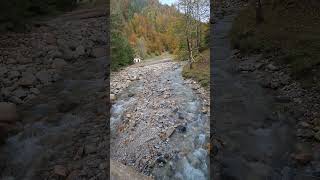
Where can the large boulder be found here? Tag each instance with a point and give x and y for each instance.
(27, 79)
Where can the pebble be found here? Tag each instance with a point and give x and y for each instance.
(60, 170)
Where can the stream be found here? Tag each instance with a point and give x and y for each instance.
(162, 102)
(257, 131)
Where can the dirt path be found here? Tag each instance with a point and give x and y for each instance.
(64, 132)
(159, 122)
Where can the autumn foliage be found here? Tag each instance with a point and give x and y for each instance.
(150, 27)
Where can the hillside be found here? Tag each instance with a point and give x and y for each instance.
(290, 33)
(147, 29)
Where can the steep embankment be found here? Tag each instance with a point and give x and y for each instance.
(291, 42)
(267, 121)
(62, 127)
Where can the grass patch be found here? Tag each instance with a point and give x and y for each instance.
(290, 31)
(200, 69)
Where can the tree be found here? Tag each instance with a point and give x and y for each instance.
(194, 11)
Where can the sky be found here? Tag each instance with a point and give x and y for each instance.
(169, 2)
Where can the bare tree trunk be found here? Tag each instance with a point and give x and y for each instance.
(198, 29)
(190, 52)
(199, 36)
(259, 16)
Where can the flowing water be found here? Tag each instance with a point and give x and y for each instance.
(189, 158)
(49, 134)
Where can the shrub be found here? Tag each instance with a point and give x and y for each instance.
(121, 51)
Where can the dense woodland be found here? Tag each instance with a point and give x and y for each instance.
(146, 28)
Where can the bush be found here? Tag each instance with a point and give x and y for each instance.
(181, 55)
(121, 51)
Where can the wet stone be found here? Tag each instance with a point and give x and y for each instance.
(181, 128)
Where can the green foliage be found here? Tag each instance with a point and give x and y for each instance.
(136, 6)
(121, 52)
(181, 55)
(153, 29)
(141, 48)
(200, 69)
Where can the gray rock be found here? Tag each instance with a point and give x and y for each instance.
(51, 39)
(35, 91)
(27, 79)
(80, 51)
(59, 64)
(24, 60)
(43, 76)
(271, 67)
(305, 133)
(62, 44)
(11, 61)
(15, 100)
(90, 148)
(29, 97)
(55, 54)
(3, 71)
(20, 93)
(13, 74)
(6, 91)
(246, 66)
(68, 54)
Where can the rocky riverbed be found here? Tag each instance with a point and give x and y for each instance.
(290, 97)
(54, 85)
(267, 123)
(160, 122)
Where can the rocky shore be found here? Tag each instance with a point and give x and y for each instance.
(292, 98)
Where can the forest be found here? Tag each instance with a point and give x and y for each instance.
(147, 28)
